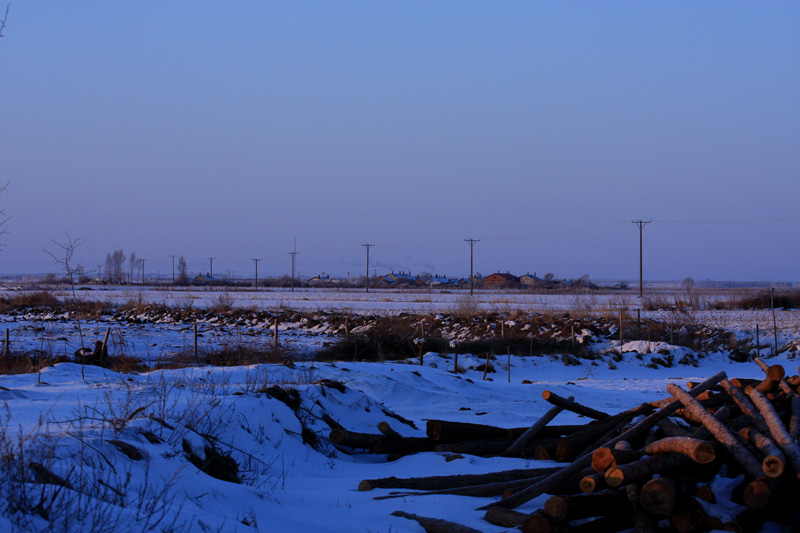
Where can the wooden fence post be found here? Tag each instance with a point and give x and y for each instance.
(275, 342)
(774, 322)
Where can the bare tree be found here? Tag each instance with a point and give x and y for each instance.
(115, 262)
(71, 269)
(688, 284)
(132, 264)
(183, 274)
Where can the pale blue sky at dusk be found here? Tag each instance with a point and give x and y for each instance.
(227, 129)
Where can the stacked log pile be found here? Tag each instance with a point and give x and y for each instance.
(665, 466)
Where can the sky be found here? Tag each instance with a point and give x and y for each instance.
(230, 129)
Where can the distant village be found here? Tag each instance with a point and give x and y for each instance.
(406, 280)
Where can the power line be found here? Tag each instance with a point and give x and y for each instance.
(732, 221)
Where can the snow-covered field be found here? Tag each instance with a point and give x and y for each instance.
(121, 443)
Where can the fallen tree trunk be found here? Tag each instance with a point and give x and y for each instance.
(699, 451)
(436, 525)
(568, 508)
(643, 469)
(446, 431)
(571, 405)
(535, 429)
(455, 481)
(477, 491)
(504, 517)
(353, 439)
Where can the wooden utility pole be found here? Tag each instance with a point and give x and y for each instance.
(173, 269)
(293, 253)
(211, 271)
(641, 224)
(471, 246)
(256, 262)
(367, 246)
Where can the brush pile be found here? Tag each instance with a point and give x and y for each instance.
(723, 454)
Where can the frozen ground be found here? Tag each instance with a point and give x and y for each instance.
(84, 425)
(68, 422)
(155, 339)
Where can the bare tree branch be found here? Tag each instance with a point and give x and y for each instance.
(3, 217)
(4, 19)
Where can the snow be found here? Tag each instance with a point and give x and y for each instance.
(66, 417)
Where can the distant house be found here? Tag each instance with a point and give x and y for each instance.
(444, 280)
(399, 279)
(500, 280)
(200, 280)
(320, 280)
(530, 280)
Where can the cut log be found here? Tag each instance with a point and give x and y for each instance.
(536, 522)
(535, 429)
(545, 451)
(568, 508)
(593, 483)
(387, 431)
(794, 421)
(456, 481)
(504, 517)
(604, 458)
(568, 447)
(642, 521)
(353, 439)
(705, 493)
(612, 522)
(723, 435)
(477, 491)
(774, 461)
(776, 375)
(571, 405)
(436, 525)
(778, 431)
(446, 431)
(585, 461)
(699, 451)
(757, 493)
(658, 496)
(688, 516)
(739, 397)
(671, 429)
(478, 447)
(643, 469)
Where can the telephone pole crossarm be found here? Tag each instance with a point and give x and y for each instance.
(471, 277)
